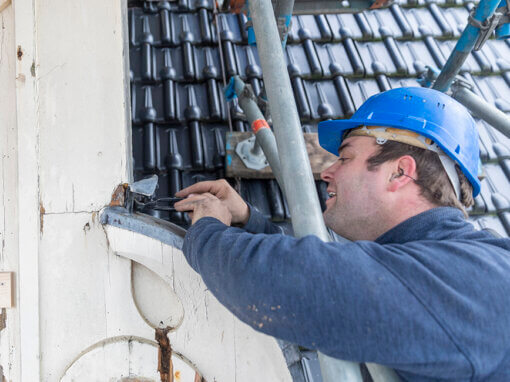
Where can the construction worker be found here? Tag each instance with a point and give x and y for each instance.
(418, 289)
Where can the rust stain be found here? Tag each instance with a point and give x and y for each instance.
(177, 376)
(237, 6)
(3, 319)
(379, 4)
(118, 196)
(165, 365)
(42, 211)
(19, 53)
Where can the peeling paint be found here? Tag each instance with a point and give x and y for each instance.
(42, 211)
(3, 319)
(118, 196)
(165, 366)
(106, 237)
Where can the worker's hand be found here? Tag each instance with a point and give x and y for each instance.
(223, 191)
(206, 204)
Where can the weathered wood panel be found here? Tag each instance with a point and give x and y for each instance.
(84, 135)
(320, 159)
(9, 260)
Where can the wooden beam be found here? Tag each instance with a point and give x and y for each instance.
(320, 159)
(4, 4)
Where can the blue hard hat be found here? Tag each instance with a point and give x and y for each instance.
(427, 112)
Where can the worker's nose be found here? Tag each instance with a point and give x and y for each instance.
(327, 174)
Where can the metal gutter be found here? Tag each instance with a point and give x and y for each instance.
(147, 225)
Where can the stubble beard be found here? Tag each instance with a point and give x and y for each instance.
(334, 219)
(343, 222)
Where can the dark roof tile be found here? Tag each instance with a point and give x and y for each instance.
(347, 24)
(335, 63)
(324, 101)
(383, 18)
(423, 23)
(361, 90)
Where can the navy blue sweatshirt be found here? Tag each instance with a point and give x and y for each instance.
(430, 298)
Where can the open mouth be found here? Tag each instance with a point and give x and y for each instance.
(331, 195)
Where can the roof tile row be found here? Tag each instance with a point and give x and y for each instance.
(335, 63)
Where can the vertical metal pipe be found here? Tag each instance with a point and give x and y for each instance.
(465, 44)
(295, 165)
(482, 109)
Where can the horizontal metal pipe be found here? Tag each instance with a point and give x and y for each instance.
(482, 109)
(464, 46)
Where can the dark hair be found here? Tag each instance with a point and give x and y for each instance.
(431, 175)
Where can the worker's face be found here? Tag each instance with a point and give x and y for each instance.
(356, 194)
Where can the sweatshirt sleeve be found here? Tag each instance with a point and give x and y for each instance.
(257, 223)
(334, 297)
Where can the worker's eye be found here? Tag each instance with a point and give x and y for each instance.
(342, 159)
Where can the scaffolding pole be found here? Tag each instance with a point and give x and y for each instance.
(470, 36)
(481, 109)
(295, 165)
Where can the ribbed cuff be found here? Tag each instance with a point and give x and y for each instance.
(256, 222)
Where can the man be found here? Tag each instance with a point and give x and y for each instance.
(417, 289)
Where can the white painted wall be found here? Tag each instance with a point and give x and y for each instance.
(65, 145)
(9, 337)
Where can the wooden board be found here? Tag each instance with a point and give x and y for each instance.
(6, 289)
(4, 4)
(320, 159)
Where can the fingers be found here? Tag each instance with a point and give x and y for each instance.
(197, 188)
(202, 205)
(220, 188)
(191, 202)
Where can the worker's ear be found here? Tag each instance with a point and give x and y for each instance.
(403, 172)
